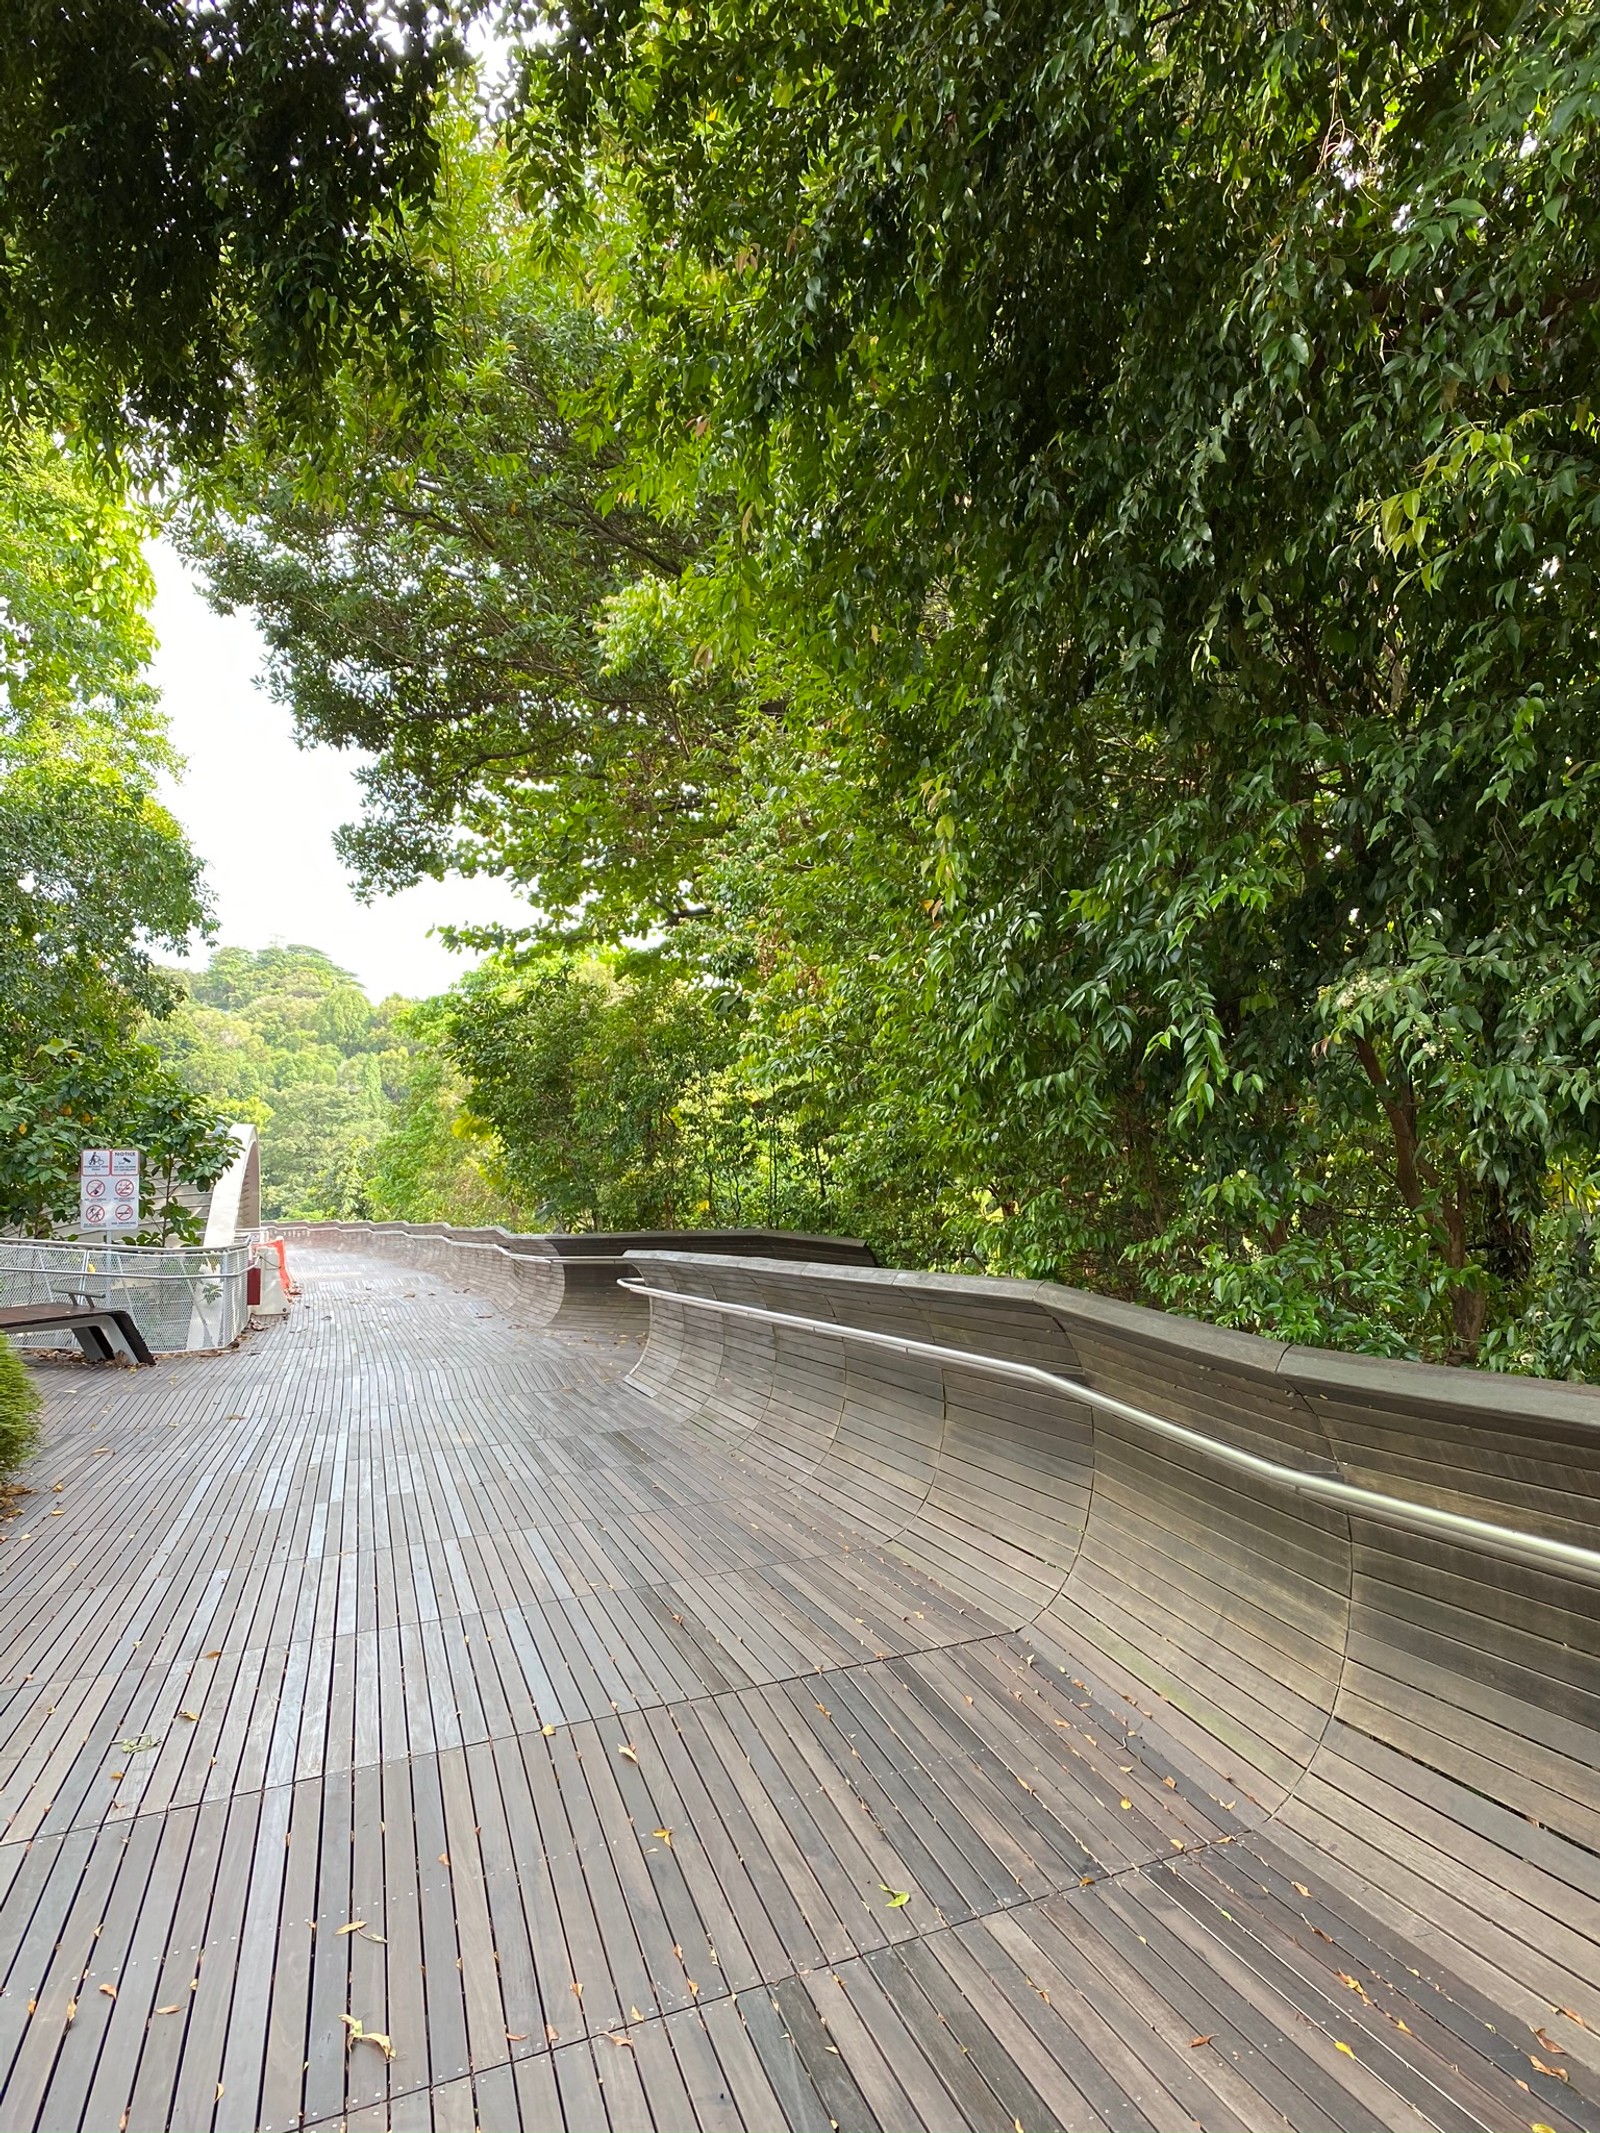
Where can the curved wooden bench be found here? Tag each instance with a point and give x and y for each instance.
(565, 1282)
(1410, 1705)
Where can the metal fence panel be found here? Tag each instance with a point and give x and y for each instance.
(182, 1297)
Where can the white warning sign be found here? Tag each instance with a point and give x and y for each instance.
(108, 1189)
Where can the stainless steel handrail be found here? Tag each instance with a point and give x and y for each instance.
(1479, 1533)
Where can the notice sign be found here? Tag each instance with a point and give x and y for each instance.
(108, 1189)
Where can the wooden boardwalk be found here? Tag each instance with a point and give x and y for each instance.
(409, 1670)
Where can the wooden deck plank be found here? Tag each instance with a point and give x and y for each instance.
(466, 1623)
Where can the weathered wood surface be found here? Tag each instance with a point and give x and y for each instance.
(566, 1281)
(409, 1666)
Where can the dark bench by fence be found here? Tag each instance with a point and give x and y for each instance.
(103, 1334)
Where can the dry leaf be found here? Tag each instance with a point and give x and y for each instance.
(353, 1925)
(72, 2011)
(619, 2040)
(1196, 2041)
(516, 2036)
(1342, 2047)
(110, 1991)
(218, 2097)
(169, 2010)
(1537, 2127)
(897, 1897)
(665, 1835)
(551, 2035)
(1572, 2015)
(577, 1988)
(444, 1858)
(116, 1776)
(1555, 2073)
(547, 1731)
(352, 2023)
(377, 2036)
(214, 1655)
(1170, 1783)
(376, 1938)
(629, 1752)
(1300, 1889)
(190, 1715)
(1548, 2041)
(140, 1746)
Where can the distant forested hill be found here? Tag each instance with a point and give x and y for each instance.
(285, 1038)
(362, 1110)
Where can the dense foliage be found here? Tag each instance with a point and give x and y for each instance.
(95, 874)
(200, 203)
(19, 1407)
(286, 1040)
(1106, 644)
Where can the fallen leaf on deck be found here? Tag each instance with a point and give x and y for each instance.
(355, 1925)
(1546, 2039)
(116, 1776)
(577, 1988)
(213, 1655)
(896, 1897)
(1170, 1783)
(1572, 2015)
(619, 2041)
(218, 2097)
(1300, 1889)
(141, 1746)
(110, 1991)
(1339, 2046)
(1555, 2073)
(169, 2010)
(72, 2011)
(629, 1752)
(547, 1731)
(444, 1858)
(551, 2035)
(192, 1716)
(377, 1937)
(1194, 2042)
(665, 1835)
(1124, 1803)
(377, 2036)
(516, 2036)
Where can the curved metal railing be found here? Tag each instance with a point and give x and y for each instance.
(1477, 1533)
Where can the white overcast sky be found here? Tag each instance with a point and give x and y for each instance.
(261, 812)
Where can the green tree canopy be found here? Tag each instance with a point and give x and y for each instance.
(1173, 429)
(95, 875)
(434, 586)
(204, 204)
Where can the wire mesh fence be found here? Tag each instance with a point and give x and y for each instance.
(181, 1297)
